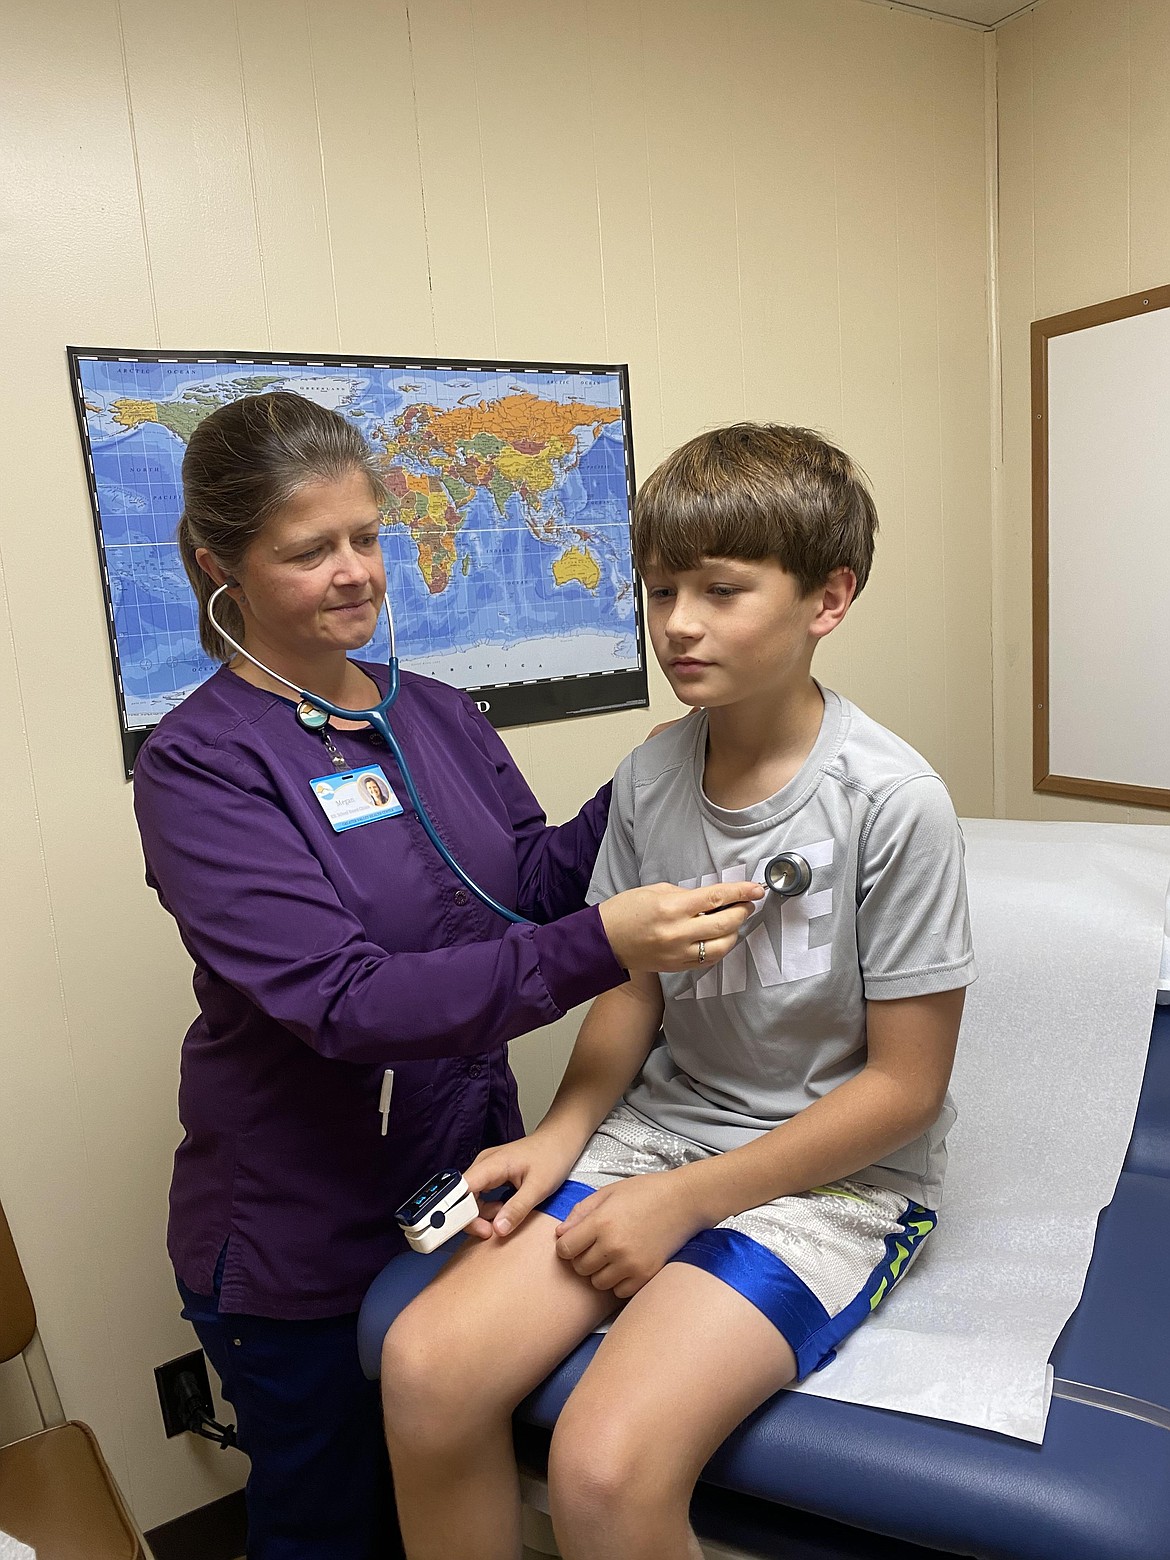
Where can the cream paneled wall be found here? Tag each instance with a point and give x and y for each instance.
(770, 208)
(1084, 215)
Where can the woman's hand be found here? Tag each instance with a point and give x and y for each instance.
(661, 927)
(622, 1235)
(535, 1165)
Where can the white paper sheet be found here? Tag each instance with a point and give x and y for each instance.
(12, 1549)
(1068, 922)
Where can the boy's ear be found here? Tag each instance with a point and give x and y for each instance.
(836, 596)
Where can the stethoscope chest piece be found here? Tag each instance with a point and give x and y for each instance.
(788, 875)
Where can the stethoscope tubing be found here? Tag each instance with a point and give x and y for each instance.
(376, 717)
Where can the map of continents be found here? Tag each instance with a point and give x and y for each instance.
(507, 517)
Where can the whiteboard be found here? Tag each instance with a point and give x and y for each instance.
(1101, 502)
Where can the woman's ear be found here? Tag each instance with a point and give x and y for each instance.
(214, 571)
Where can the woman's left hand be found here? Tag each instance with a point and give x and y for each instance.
(620, 1236)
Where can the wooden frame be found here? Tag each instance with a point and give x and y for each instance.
(1145, 302)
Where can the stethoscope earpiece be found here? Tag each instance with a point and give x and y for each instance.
(788, 875)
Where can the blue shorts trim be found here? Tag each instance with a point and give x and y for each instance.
(786, 1300)
(917, 1223)
(565, 1199)
(770, 1284)
(765, 1279)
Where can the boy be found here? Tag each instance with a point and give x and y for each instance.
(750, 1149)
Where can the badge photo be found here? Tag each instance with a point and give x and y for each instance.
(355, 797)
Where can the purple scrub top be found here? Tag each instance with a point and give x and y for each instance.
(323, 958)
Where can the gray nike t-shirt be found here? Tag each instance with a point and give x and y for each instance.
(748, 1043)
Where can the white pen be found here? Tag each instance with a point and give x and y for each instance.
(384, 1098)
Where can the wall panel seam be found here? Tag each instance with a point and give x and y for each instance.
(940, 432)
(137, 170)
(995, 394)
(324, 172)
(487, 214)
(422, 186)
(735, 218)
(252, 181)
(650, 215)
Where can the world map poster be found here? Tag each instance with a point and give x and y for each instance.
(506, 529)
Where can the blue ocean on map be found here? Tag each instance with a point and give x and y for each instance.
(529, 579)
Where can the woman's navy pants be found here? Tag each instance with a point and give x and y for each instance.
(310, 1422)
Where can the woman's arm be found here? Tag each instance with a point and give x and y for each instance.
(256, 909)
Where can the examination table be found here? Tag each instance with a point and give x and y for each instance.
(809, 1477)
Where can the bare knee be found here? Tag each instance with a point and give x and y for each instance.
(429, 1394)
(602, 1480)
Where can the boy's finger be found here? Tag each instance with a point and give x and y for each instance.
(515, 1211)
(489, 1171)
(572, 1240)
(590, 1261)
(480, 1229)
(607, 1277)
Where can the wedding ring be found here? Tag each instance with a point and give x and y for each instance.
(702, 952)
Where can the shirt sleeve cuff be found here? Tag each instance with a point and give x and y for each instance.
(920, 983)
(576, 960)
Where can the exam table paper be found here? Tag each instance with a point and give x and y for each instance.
(1068, 922)
(12, 1549)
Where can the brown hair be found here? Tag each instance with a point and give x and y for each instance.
(758, 490)
(245, 461)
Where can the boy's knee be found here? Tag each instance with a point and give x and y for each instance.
(598, 1473)
(418, 1383)
(437, 1388)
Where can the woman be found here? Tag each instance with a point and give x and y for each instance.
(355, 999)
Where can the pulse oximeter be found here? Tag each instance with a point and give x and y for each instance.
(440, 1208)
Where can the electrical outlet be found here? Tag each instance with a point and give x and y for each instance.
(166, 1379)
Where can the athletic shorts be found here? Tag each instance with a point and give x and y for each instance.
(816, 1263)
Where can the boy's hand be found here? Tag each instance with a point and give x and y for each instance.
(622, 1235)
(535, 1165)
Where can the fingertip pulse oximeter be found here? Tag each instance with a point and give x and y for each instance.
(440, 1208)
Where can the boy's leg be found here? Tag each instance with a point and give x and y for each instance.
(493, 1324)
(683, 1364)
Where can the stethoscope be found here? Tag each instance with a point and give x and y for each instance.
(313, 713)
(787, 875)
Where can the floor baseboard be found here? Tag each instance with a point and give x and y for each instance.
(217, 1531)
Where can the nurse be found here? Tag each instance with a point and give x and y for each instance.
(355, 1000)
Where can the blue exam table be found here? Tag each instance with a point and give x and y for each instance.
(808, 1477)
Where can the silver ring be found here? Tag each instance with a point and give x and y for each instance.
(702, 953)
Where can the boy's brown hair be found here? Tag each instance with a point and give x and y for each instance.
(757, 490)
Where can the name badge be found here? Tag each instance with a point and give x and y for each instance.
(355, 797)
